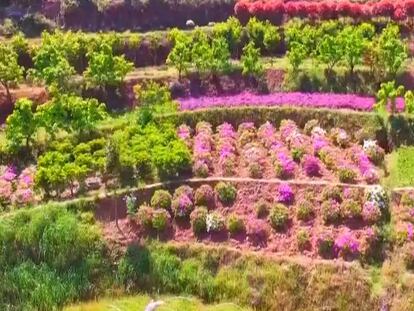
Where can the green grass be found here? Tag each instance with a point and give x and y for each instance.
(135, 303)
(401, 168)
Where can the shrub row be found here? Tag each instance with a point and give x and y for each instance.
(275, 10)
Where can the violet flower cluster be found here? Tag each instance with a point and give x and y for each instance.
(17, 188)
(346, 245)
(285, 194)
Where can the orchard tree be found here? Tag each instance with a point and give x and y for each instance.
(53, 68)
(180, 55)
(201, 52)
(263, 34)
(329, 51)
(353, 45)
(10, 71)
(296, 55)
(231, 30)
(391, 49)
(21, 125)
(221, 55)
(105, 69)
(72, 113)
(250, 61)
(51, 174)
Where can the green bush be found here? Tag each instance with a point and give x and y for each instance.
(304, 211)
(278, 216)
(204, 196)
(144, 216)
(198, 220)
(351, 208)
(235, 224)
(161, 199)
(226, 192)
(134, 267)
(262, 208)
(160, 219)
(347, 175)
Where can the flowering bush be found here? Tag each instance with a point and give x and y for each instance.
(278, 216)
(246, 133)
(304, 211)
(331, 211)
(310, 125)
(288, 129)
(184, 133)
(186, 190)
(160, 219)
(200, 168)
(346, 246)
(285, 194)
(332, 193)
(374, 152)
(371, 212)
(340, 137)
(182, 205)
(144, 216)
(198, 220)
(284, 166)
(347, 175)
(267, 135)
(351, 209)
(378, 195)
(161, 199)
(202, 148)
(226, 147)
(312, 166)
(6, 191)
(214, 222)
(23, 196)
(204, 196)
(226, 192)
(235, 224)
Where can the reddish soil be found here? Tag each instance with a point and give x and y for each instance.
(37, 94)
(282, 242)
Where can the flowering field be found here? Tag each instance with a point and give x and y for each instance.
(297, 99)
(317, 221)
(284, 153)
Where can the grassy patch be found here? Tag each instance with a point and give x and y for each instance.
(139, 302)
(401, 168)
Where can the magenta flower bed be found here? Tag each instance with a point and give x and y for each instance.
(297, 99)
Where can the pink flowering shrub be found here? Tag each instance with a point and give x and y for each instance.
(246, 133)
(204, 196)
(6, 191)
(226, 147)
(267, 135)
(374, 152)
(182, 203)
(202, 149)
(184, 133)
(371, 212)
(331, 211)
(340, 137)
(346, 245)
(284, 166)
(285, 194)
(312, 166)
(287, 129)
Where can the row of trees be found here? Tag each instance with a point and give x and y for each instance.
(274, 10)
(210, 55)
(332, 43)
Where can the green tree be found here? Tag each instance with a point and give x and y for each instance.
(201, 52)
(329, 51)
(250, 61)
(10, 71)
(21, 125)
(72, 113)
(231, 30)
(263, 34)
(180, 55)
(296, 55)
(409, 102)
(353, 45)
(105, 69)
(51, 174)
(391, 49)
(221, 55)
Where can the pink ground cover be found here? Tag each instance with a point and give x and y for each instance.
(296, 99)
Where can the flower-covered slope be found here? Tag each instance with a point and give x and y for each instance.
(284, 153)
